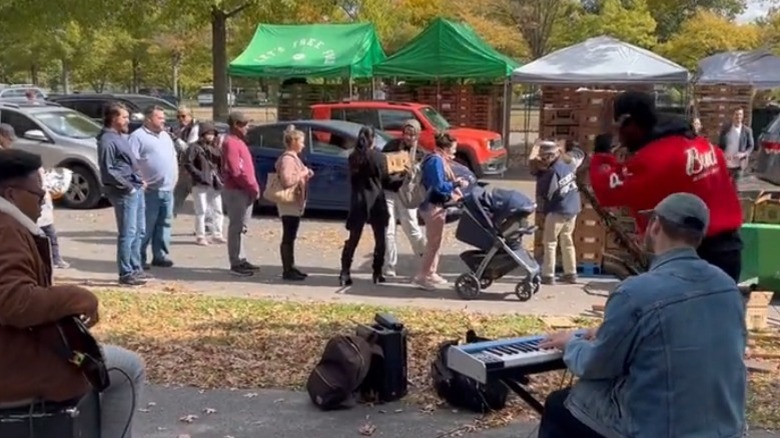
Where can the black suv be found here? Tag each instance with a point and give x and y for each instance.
(92, 106)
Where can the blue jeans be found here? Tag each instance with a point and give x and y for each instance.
(159, 217)
(131, 227)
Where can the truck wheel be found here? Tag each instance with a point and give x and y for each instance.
(466, 158)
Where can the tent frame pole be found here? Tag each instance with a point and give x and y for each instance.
(507, 113)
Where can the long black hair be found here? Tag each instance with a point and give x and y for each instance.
(359, 157)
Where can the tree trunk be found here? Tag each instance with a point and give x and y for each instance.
(65, 77)
(175, 65)
(34, 74)
(219, 63)
(136, 75)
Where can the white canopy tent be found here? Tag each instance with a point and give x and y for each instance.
(759, 69)
(601, 60)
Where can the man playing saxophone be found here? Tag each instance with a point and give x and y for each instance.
(665, 157)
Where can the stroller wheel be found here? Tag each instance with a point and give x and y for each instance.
(527, 288)
(467, 286)
(485, 283)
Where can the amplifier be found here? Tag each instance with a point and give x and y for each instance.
(75, 419)
(387, 377)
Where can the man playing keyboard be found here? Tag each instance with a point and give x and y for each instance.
(667, 361)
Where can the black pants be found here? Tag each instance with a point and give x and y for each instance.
(350, 245)
(724, 251)
(51, 233)
(290, 225)
(558, 422)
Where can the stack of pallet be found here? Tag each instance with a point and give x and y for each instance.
(715, 105)
(295, 100)
(472, 106)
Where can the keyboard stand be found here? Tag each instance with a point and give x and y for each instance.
(515, 379)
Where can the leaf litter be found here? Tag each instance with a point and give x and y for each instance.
(214, 342)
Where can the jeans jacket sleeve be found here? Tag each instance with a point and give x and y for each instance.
(606, 355)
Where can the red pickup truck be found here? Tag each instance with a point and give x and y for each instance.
(483, 152)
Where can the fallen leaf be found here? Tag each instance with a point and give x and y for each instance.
(367, 429)
(251, 395)
(188, 418)
(209, 411)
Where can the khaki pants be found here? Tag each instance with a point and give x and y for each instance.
(559, 227)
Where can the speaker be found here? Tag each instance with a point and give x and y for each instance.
(78, 418)
(387, 376)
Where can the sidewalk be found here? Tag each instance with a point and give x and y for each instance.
(287, 414)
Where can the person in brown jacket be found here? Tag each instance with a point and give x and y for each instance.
(31, 371)
(292, 173)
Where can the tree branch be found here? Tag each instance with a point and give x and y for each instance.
(237, 10)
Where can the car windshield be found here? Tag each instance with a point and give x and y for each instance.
(169, 110)
(437, 120)
(68, 123)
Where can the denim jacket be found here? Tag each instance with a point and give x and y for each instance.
(667, 361)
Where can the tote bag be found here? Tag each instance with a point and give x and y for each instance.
(276, 193)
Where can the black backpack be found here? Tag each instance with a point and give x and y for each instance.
(464, 392)
(337, 377)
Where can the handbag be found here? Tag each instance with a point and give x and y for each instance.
(278, 194)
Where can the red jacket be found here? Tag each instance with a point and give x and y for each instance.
(664, 166)
(238, 171)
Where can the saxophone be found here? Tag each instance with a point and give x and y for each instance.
(638, 261)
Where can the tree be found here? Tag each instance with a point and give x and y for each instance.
(671, 14)
(534, 19)
(706, 34)
(632, 24)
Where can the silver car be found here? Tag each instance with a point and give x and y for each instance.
(63, 138)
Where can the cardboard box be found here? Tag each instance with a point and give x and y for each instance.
(757, 312)
(398, 162)
(767, 211)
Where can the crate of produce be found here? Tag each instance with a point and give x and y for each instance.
(725, 90)
(767, 211)
(591, 258)
(559, 132)
(553, 116)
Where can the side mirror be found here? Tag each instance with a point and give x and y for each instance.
(35, 135)
(137, 117)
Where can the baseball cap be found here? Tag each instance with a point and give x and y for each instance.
(548, 147)
(683, 209)
(414, 124)
(237, 118)
(7, 130)
(205, 127)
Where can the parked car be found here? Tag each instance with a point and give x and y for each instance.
(92, 106)
(483, 152)
(767, 164)
(63, 138)
(206, 97)
(166, 95)
(20, 91)
(328, 144)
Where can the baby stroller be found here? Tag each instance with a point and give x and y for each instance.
(494, 222)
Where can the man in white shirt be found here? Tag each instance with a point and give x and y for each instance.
(736, 141)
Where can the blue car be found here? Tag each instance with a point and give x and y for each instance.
(328, 144)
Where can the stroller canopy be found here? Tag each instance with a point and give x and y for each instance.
(502, 203)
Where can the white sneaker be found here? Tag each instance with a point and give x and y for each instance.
(438, 279)
(202, 241)
(424, 284)
(390, 273)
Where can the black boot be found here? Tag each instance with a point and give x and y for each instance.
(345, 279)
(288, 258)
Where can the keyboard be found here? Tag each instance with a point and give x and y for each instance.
(478, 360)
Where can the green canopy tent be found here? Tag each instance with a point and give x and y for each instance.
(447, 49)
(313, 50)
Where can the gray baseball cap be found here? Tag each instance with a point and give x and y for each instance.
(237, 118)
(684, 209)
(7, 130)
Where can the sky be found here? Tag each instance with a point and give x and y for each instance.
(755, 9)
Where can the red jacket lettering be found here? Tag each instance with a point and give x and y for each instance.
(664, 166)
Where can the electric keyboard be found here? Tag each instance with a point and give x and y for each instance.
(478, 360)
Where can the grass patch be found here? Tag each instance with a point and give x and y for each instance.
(214, 342)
